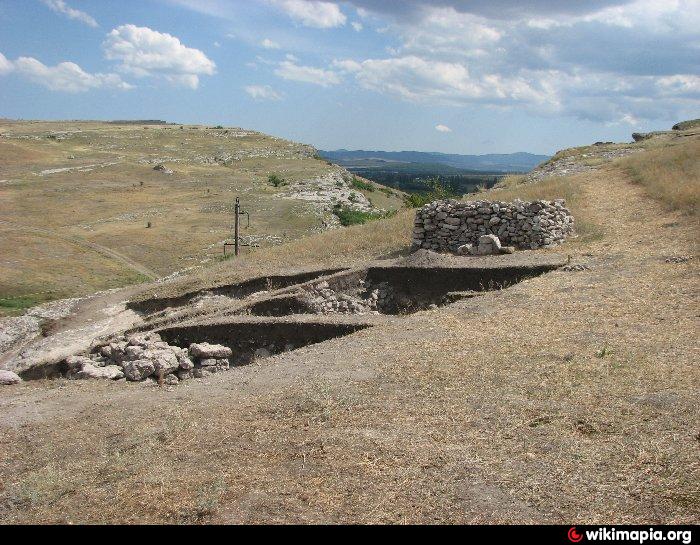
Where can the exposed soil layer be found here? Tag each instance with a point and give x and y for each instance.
(411, 289)
(248, 338)
(240, 290)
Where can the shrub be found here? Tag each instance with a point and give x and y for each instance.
(275, 180)
(359, 184)
(436, 190)
(349, 216)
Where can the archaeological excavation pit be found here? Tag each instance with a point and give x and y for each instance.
(392, 290)
(259, 338)
(319, 308)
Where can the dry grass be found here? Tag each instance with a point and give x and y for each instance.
(571, 397)
(671, 175)
(388, 237)
(190, 211)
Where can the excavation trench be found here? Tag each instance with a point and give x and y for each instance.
(391, 290)
(313, 307)
(237, 291)
(260, 338)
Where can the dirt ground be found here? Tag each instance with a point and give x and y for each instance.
(570, 397)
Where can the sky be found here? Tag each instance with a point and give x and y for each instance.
(455, 76)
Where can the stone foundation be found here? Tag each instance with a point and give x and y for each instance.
(446, 226)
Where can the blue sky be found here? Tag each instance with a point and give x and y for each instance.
(458, 76)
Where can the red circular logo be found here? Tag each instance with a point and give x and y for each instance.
(573, 535)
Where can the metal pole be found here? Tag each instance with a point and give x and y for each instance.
(236, 242)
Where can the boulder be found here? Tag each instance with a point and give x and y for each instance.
(164, 361)
(186, 363)
(8, 377)
(76, 363)
(464, 249)
(109, 372)
(202, 351)
(138, 370)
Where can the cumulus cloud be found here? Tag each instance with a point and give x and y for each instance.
(611, 61)
(497, 9)
(67, 77)
(313, 13)
(143, 52)
(357, 26)
(442, 128)
(269, 44)
(59, 6)
(5, 65)
(262, 92)
(291, 71)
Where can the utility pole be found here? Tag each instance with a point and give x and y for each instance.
(236, 237)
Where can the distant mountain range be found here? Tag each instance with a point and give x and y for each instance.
(493, 162)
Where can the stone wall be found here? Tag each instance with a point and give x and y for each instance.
(448, 225)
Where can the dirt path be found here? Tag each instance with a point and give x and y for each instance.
(573, 396)
(107, 252)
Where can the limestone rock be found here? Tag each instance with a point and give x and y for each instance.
(109, 372)
(138, 370)
(8, 377)
(206, 350)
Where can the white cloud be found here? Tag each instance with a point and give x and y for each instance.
(609, 61)
(442, 128)
(67, 77)
(146, 52)
(59, 6)
(6, 66)
(313, 13)
(269, 44)
(307, 74)
(357, 26)
(262, 92)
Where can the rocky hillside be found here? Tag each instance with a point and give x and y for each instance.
(86, 206)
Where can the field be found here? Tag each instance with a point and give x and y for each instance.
(77, 199)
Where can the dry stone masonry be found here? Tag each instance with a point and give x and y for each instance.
(484, 227)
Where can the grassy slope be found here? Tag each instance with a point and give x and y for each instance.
(53, 226)
(572, 396)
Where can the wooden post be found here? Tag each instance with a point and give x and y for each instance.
(236, 213)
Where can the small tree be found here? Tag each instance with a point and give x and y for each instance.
(275, 181)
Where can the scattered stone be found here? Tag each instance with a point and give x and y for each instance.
(146, 357)
(162, 168)
(8, 377)
(678, 259)
(575, 268)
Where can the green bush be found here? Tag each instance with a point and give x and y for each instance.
(436, 191)
(275, 180)
(349, 216)
(359, 184)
